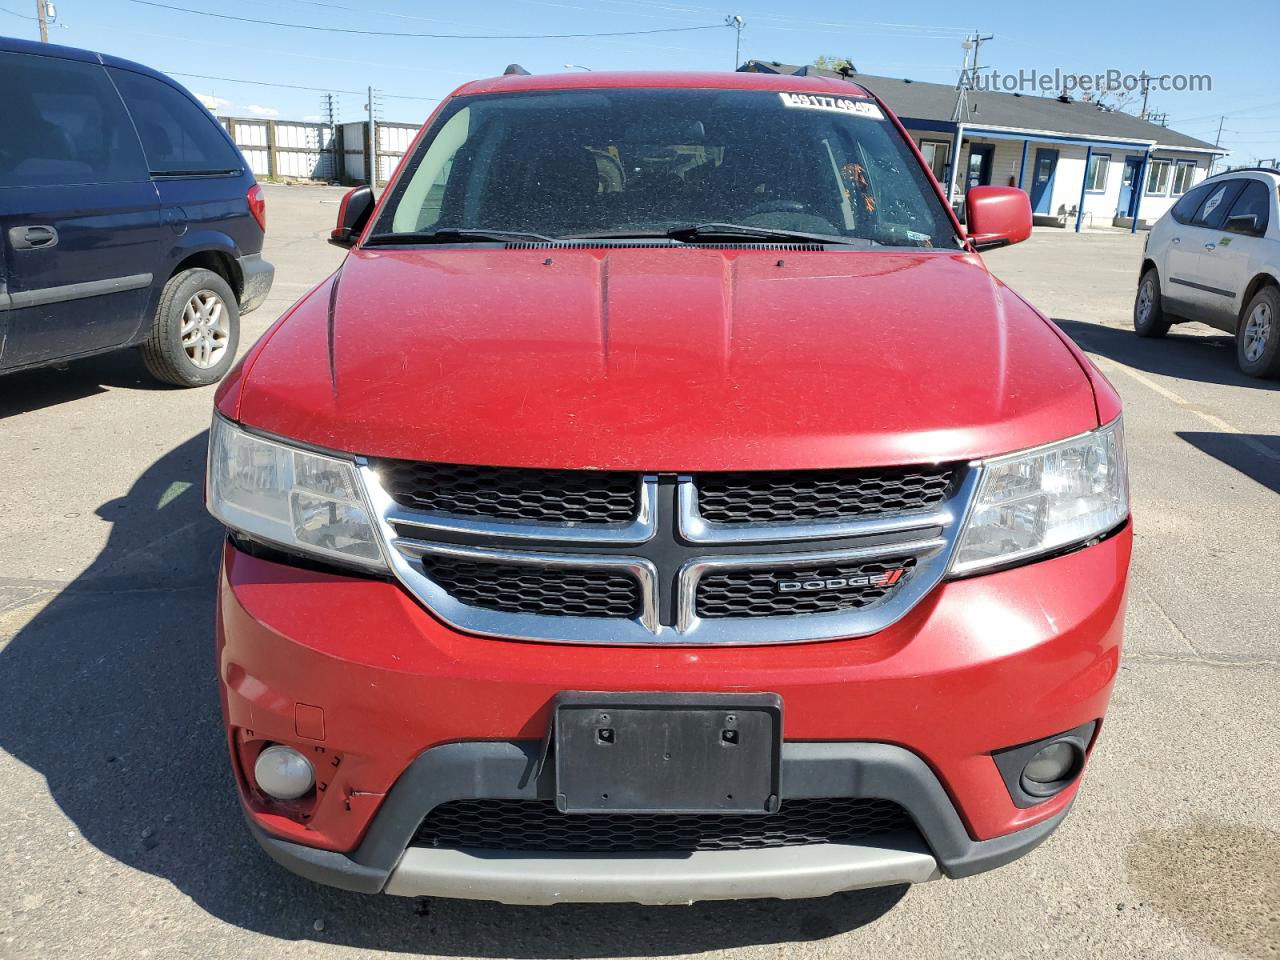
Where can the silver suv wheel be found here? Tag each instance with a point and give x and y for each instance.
(1257, 331)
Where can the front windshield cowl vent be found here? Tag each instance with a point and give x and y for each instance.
(662, 244)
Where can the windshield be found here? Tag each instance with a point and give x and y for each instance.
(643, 162)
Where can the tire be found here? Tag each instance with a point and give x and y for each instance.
(1258, 336)
(203, 302)
(1148, 313)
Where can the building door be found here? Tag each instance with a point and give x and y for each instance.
(978, 173)
(1042, 180)
(1129, 194)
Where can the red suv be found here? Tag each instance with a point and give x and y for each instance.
(663, 502)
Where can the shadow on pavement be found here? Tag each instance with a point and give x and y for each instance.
(1210, 359)
(46, 386)
(109, 694)
(1243, 452)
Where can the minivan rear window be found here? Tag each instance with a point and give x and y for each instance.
(62, 123)
(180, 137)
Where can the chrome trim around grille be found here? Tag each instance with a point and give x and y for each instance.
(639, 530)
(500, 623)
(799, 628)
(939, 531)
(696, 530)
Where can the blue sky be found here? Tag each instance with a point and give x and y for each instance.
(920, 40)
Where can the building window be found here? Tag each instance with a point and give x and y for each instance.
(1158, 179)
(1182, 173)
(1095, 180)
(936, 153)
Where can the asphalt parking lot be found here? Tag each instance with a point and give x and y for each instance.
(120, 835)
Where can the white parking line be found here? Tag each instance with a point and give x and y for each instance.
(1108, 365)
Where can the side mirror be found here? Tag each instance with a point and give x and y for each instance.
(353, 214)
(997, 216)
(1242, 223)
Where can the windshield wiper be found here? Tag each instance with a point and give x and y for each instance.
(456, 235)
(693, 232)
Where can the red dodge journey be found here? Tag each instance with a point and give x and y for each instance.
(661, 503)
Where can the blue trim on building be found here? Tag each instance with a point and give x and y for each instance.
(1140, 185)
(1022, 167)
(1038, 138)
(1084, 183)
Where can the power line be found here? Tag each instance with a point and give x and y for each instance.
(15, 13)
(429, 36)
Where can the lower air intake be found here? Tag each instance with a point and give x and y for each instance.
(536, 825)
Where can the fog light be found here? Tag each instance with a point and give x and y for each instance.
(282, 772)
(1036, 771)
(1051, 768)
(1051, 764)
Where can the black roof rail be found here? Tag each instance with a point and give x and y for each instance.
(1274, 171)
(515, 70)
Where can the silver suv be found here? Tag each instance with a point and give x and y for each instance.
(1215, 257)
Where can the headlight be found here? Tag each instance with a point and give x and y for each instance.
(295, 498)
(1044, 499)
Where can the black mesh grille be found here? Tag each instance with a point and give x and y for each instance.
(787, 591)
(517, 588)
(538, 825)
(508, 493)
(820, 495)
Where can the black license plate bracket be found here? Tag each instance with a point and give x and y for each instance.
(667, 753)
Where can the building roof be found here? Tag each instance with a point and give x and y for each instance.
(935, 102)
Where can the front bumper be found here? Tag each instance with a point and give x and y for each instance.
(385, 860)
(391, 704)
(257, 276)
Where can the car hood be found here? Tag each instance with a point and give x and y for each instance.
(664, 359)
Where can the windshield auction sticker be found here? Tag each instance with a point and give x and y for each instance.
(814, 101)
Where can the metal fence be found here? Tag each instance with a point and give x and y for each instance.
(318, 151)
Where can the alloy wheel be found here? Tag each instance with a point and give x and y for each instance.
(1257, 331)
(1145, 296)
(206, 330)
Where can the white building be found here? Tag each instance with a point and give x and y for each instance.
(1081, 164)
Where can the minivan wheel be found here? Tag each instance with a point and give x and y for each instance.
(195, 331)
(1258, 337)
(1148, 314)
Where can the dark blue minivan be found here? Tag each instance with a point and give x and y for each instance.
(127, 218)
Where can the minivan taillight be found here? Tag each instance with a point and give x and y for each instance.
(258, 206)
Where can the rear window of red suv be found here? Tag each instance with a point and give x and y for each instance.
(637, 162)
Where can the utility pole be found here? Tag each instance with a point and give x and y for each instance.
(329, 104)
(968, 74)
(1217, 142)
(42, 11)
(735, 21)
(978, 40)
(1146, 89)
(373, 142)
